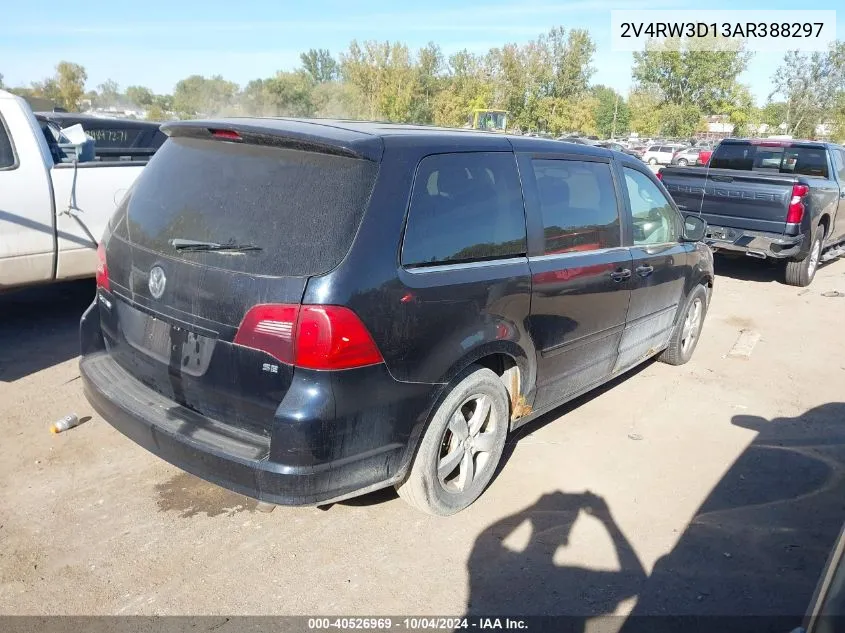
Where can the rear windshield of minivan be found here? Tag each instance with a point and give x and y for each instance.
(300, 208)
(784, 159)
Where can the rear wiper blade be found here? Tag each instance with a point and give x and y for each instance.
(197, 245)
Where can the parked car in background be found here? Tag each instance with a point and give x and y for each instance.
(687, 156)
(580, 140)
(770, 199)
(237, 345)
(54, 205)
(660, 154)
(116, 139)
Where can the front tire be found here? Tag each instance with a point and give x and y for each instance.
(801, 272)
(688, 330)
(461, 447)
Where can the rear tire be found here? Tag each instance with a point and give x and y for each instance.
(687, 331)
(462, 446)
(682, 162)
(802, 272)
(652, 161)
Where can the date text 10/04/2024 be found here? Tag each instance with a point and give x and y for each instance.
(416, 623)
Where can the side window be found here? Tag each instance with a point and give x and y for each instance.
(654, 148)
(654, 219)
(839, 163)
(578, 205)
(465, 207)
(7, 154)
(666, 149)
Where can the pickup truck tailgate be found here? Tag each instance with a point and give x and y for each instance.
(755, 202)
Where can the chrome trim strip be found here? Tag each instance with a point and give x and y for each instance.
(553, 256)
(464, 265)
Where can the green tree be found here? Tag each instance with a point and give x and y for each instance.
(70, 81)
(644, 104)
(612, 113)
(702, 78)
(198, 95)
(429, 81)
(680, 121)
(140, 96)
(108, 93)
(811, 85)
(320, 65)
(384, 76)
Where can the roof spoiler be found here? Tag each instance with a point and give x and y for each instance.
(232, 132)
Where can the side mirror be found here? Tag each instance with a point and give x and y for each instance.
(694, 228)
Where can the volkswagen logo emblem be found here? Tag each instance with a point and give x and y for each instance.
(157, 282)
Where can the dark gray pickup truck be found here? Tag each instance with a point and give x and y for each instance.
(769, 198)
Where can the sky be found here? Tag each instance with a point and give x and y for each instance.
(155, 43)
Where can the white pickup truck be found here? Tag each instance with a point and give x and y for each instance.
(53, 209)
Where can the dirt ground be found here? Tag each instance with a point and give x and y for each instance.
(720, 491)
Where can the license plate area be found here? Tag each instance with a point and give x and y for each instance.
(156, 338)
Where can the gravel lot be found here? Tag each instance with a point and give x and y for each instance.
(723, 483)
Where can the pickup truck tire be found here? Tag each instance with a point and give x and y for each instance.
(801, 272)
(461, 447)
(688, 329)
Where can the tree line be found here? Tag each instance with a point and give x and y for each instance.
(545, 85)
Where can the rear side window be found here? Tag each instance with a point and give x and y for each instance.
(578, 205)
(784, 159)
(301, 208)
(465, 207)
(7, 154)
(667, 148)
(654, 148)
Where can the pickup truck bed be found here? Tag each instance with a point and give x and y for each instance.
(52, 213)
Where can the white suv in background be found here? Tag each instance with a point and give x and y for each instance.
(660, 154)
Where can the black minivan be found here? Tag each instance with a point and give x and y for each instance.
(305, 311)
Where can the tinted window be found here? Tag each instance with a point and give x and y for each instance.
(806, 161)
(302, 208)
(113, 136)
(465, 207)
(7, 154)
(578, 205)
(654, 219)
(654, 148)
(667, 148)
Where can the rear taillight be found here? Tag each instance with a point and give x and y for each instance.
(311, 336)
(270, 328)
(102, 274)
(796, 205)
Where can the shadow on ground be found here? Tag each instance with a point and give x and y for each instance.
(40, 326)
(756, 546)
(747, 268)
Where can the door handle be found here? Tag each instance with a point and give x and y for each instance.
(645, 271)
(620, 275)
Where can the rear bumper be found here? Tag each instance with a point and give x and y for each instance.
(333, 436)
(754, 243)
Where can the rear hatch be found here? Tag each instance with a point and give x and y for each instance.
(284, 209)
(750, 183)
